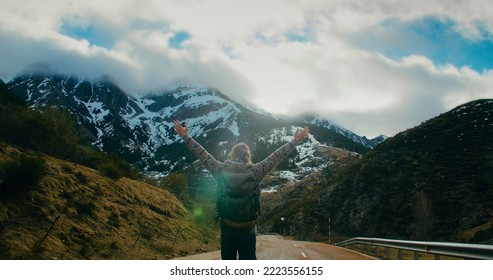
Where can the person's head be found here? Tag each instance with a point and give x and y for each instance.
(241, 153)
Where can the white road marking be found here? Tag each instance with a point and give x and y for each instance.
(304, 255)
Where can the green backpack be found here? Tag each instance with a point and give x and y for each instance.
(238, 194)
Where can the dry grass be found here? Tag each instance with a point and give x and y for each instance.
(96, 218)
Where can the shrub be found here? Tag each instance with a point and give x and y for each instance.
(21, 175)
(110, 170)
(177, 184)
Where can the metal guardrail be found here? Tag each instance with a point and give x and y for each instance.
(458, 250)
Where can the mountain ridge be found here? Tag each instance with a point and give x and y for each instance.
(139, 127)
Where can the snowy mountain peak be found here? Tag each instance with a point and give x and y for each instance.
(317, 120)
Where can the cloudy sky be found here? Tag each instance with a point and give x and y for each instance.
(374, 67)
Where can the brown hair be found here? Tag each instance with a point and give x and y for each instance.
(241, 152)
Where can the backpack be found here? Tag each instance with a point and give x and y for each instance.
(238, 194)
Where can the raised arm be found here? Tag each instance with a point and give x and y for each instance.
(210, 163)
(265, 166)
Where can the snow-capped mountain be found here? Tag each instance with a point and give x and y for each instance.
(140, 127)
(311, 157)
(322, 122)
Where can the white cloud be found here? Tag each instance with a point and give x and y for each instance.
(244, 48)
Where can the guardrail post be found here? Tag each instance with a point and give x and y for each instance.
(388, 253)
(399, 254)
(416, 255)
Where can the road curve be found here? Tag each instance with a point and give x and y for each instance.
(275, 247)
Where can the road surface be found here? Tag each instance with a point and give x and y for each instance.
(274, 247)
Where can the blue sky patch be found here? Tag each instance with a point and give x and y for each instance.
(176, 42)
(431, 37)
(298, 37)
(273, 40)
(90, 33)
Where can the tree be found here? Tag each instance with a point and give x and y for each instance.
(177, 184)
(422, 216)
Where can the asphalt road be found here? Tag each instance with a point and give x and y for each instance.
(274, 247)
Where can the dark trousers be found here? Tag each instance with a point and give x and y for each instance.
(238, 243)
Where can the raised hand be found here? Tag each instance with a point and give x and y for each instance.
(300, 135)
(182, 131)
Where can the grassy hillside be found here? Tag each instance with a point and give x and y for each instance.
(93, 217)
